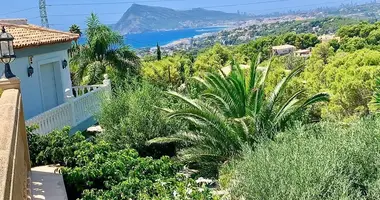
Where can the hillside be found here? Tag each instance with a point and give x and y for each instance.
(141, 18)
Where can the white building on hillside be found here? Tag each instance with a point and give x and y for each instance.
(42, 66)
(283, 49)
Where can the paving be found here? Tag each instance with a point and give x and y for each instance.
(47, 183)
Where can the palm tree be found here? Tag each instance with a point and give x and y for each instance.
(104, 48)
(74, 45)
(234, 111)
(75, 29)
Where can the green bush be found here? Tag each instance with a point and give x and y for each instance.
(170, 71)
(178, 188)
(350, 79)
(55, 148)
(325, 161)
(103, 173)
(95, 169)
(132, 117)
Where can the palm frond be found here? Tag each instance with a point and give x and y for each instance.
(95, 72)
(320, 97)
(281, 87)
(253, 72)
(185, 99)
(123, 59)
(287, 106)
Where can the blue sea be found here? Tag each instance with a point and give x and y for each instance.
(150, 39)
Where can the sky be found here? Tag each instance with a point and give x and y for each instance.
(63, 13)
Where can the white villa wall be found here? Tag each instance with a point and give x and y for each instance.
(31, 86)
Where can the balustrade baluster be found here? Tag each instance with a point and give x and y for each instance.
(76, 92)
(44, 125)
(53, 120)
(82, 89)
(48, 123)
(59, 118)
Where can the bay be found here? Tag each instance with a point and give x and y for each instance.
(150, 39)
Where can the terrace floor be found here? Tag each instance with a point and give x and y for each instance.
(47, 184)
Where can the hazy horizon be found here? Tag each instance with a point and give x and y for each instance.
(63, 13)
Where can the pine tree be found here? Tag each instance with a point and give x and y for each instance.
(158, 52)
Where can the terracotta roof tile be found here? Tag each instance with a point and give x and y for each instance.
(28, 35)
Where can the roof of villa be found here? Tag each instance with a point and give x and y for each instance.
(285, 46)
(28, 35)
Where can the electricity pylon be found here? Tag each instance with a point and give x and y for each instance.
(43, 14)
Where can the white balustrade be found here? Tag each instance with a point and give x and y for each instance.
(82, 103)
(81, 90)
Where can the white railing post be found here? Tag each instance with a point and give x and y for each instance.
(107, 85)
(69, 99)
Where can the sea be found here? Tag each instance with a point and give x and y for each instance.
(150, 39)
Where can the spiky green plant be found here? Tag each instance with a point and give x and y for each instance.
(234, 111)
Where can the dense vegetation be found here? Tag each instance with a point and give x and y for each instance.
(132, 117)
(323, 161)
(95, 169)
(275, 127)
(234, 110)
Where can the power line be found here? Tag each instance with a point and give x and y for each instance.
(244, 4)
(117, 13)
(79, 14)
(146, 1)
(316, 4)
(110, 3)
(85, 4)
(216, 6)
(152, 1)
(22, 10)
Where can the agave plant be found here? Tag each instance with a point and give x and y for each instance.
(234, 111)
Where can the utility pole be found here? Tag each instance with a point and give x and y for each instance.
(43, 14)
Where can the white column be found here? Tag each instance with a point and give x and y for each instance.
(69, 98)
(107, 85)
(65, 73)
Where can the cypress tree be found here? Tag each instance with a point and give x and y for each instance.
(158, 52)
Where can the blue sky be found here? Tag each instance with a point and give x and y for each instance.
(62, 16)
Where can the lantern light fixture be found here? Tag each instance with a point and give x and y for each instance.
(30, 68)
(30, 71)
(7, 54)
(64, 64)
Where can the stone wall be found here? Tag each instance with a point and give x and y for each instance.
(14, 152)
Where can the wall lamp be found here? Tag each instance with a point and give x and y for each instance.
(30, 71)
(7, 54)
(30, 68)
(64, 64)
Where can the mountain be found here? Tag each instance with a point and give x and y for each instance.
(142, 18)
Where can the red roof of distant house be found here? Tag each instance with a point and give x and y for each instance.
(28, 35)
